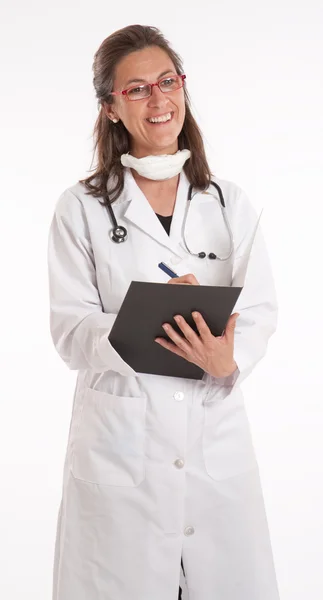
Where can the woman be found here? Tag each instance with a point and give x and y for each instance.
(159, 471)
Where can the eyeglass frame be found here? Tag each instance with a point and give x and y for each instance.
(133, 87)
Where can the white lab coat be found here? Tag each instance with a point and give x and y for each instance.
(156, 467)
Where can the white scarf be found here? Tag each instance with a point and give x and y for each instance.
(159, 167)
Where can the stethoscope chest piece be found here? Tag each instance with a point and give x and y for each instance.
(118, 234)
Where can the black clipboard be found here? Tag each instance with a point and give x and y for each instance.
(147, 306)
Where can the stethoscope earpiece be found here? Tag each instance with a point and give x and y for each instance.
(203, 255)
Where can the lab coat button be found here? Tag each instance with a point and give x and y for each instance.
(179, 463)
(189, 530)
(179, 396)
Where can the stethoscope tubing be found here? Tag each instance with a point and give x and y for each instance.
(119, 233)
(224, 215)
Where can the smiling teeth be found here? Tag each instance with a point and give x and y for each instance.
(162, 119)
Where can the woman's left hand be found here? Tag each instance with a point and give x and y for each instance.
(212, 354)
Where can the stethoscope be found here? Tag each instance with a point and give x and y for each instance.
(119, 233)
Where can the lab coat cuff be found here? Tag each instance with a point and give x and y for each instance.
(244, 364)
(227, 381)
(109, 355)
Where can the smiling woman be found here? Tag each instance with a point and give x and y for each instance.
(160, 472)
(164, 96)
(139, 78)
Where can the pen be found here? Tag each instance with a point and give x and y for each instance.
(167, 270)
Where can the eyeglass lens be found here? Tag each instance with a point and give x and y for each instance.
(169, 84)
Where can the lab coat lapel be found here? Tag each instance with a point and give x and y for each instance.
(179, 210)
(141, 214)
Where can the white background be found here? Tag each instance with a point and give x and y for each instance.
(254, 72)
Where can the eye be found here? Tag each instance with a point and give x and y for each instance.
(169, 81)
(136, 90)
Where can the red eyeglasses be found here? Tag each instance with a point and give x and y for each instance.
(166, 84)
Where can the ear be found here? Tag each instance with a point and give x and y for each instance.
(109, 111)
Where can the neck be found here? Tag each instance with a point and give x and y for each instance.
(155, 185)
(141, 151)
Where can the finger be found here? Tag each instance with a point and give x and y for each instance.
(188, 278)
(189, 333)
(180, 342)
(202, 327)
(229, 330)
(169, 346)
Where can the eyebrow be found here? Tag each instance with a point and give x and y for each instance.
(144, 80)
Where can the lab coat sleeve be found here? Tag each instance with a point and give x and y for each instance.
(227, 381)
(257, 303)
(78, 325)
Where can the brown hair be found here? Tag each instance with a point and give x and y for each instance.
(112, 140)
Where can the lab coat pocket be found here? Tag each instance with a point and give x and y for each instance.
(109, 443)
(227, 443)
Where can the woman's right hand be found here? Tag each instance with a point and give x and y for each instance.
(188, 279)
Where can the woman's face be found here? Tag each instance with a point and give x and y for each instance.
(148, 65)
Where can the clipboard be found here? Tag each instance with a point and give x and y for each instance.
(148, 305)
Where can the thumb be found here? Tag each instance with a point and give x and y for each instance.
(231, 325)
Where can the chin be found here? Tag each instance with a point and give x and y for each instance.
(167, 142)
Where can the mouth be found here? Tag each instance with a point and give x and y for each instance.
(165, 119)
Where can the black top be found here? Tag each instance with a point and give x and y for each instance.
(165, 221)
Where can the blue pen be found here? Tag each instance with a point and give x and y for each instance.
(167, 270)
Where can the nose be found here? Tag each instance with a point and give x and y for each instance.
(157, 97)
